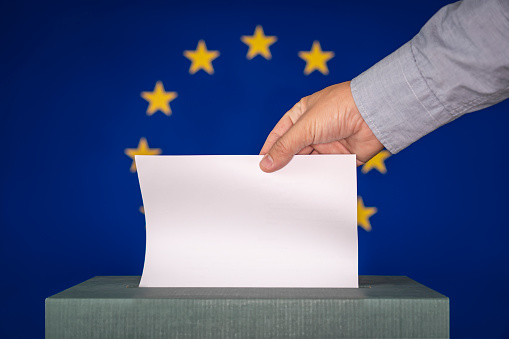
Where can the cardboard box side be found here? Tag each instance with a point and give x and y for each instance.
(220, 318)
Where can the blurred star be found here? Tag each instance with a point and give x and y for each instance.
(258, 43)
(378, 162)
(142, 149)
(159, 100)
(363, 214)
(201, 58)
(316, 59)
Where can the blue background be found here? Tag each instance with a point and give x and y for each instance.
(71, 74)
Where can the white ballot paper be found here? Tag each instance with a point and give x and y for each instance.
(219, 221)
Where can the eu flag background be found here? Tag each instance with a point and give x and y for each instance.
(84, 85)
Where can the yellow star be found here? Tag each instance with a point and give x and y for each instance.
(201, 58)
(142, 209)
(142, 149)
(159, 100)
(316, 59)
(363, 214)
(378, 162)
(258, 43)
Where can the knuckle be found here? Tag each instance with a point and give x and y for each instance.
(303, 104)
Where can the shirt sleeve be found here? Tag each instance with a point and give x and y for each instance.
(458, 63)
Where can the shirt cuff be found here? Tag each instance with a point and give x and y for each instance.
(395, 101)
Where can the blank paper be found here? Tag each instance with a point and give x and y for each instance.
(219, 221)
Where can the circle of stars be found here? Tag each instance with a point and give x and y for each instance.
(258, 45)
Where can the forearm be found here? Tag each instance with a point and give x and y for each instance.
(457, 63)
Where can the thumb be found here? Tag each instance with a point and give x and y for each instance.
(283, 150)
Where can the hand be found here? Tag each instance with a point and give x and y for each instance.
(326, 122)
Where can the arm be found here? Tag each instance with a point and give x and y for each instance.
(458, 63)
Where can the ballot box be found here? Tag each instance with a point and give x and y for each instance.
(115, 307)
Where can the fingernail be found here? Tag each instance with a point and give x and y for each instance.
(266, 161)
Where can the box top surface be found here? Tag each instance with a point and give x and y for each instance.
(370, 287)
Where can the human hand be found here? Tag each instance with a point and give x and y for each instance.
(326, 122)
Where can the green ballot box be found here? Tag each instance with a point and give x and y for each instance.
(115, 307)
